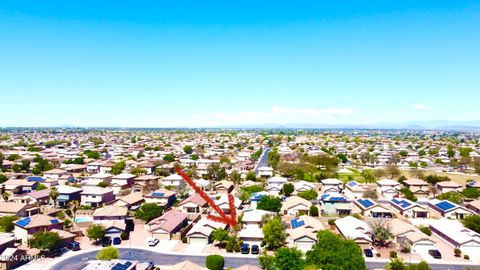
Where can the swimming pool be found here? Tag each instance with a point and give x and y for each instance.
(83, 219)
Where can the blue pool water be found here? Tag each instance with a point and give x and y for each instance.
(83, 219)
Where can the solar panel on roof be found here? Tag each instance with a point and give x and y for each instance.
(405, 204)
(127, 264)
(352, 184)
(297, 223)
(366, 203)
(24, 222)
(445, 205)
(396, 201)
(158, 194)
(35, 178)
(53, 221)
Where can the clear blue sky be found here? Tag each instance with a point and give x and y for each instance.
(204, 63)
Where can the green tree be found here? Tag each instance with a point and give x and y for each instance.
(465, 152)
(6, 223)
(92, 154)
(25, 166)
(392, 171)
(381, 233)
(256, 155)
(118, 167)
(270, 203)
(216, 172)
(423, 265)
(274, 235)
(408, 194)
(309, 195)
(95, 232)
(314, 211)
(273, 158)
(188, 149)
(148, 211)
(14, 157)
(472, 222)
(235, 177)
(220, 235)
(16, 168)
(54, 195)
(41, 166)
(41, 187)
(368, 176)
(287, 189)
(3, 178)
(433, 179)
(453, 196)
(246, 192)
(45, 241)
(331, 252)
(169, 158)
(108, 253)
(288, 259)
(471, 193)
(251, 176)
(215, 262)
(396, 264)
(194, 157)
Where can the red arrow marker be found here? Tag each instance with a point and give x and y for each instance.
(223, 218)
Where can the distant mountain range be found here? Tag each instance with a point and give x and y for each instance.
(411, 125)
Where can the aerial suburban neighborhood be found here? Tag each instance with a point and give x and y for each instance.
(382, 196)
(239, 135)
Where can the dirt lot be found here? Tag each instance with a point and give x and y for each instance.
(459, 178)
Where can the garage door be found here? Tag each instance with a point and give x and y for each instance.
(162, 236)
(198, 240)
(304, 246)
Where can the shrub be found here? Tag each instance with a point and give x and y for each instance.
(313, 211)
(426, 230)
(236, 247)
(378, 254)
(331, 221)
(184, 240)
(124, 236)
(457, 252)
(357, 216)
(393, 254)
(466, 257)
(215, 262)
(108, 253)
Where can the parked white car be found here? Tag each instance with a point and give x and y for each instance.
(153, 242)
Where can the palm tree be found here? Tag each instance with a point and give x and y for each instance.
(6, 195)
(54, 195)
(381, 233)
(236, 178)
(396, 264)
(74, 207)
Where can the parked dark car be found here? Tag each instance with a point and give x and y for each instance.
(368, 252)
(245, 248)
(73, 246)
(255, 249)
(435, 253)
(55, 253)
(106, 241)
(117, 240)
(129, 225)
